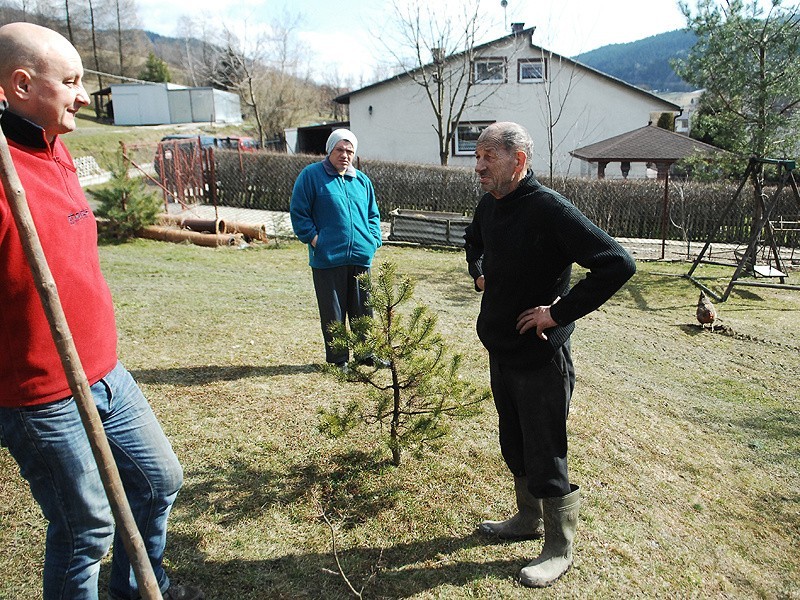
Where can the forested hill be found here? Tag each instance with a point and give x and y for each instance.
(644, 63)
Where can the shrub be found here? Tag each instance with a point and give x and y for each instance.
(127, 206)
(625, 208)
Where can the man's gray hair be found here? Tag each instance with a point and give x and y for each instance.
(511, 136)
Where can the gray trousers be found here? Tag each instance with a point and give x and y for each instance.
(339, 297)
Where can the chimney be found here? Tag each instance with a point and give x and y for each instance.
(516, 28)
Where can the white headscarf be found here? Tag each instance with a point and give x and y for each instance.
(338, 135)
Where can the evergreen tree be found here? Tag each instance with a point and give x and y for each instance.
(126, 204)
(666, 121)
(435, 48)
(746, 61)
(155, 69)
(421, 386)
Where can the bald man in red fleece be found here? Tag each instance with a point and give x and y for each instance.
(41, 74)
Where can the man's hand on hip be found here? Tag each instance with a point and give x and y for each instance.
(537, 317)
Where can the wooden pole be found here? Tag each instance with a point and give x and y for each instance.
(48, 294)
(665, 216)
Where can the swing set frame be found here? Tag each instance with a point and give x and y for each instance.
(762, 224)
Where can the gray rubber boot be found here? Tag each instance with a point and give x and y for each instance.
(527, 524)
(560, 519)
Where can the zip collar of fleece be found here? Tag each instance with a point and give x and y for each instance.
(22, 131)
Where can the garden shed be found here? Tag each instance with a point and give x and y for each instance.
(311, 138)
(167, 104)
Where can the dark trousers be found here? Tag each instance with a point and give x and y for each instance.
(532, 405)
(339, 296)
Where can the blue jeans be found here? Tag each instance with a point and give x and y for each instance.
(52, 450)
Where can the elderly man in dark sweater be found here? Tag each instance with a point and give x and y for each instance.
(520, 249)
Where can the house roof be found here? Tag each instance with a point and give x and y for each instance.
(345, 98)
(331, 125)
(646, 144)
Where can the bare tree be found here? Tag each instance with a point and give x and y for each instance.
(270, 76)
(103, 30)
(248, 89)
(40, 12)
(186, 30)
(333, 85)
(235, 69)
(25, 7)
(125, 20)
(559, 75)
(436, 51)
(68, 15)
(95, 49)
(232, 69)
(74, 16)
(283, 86)
(211, 55)
(202, 44)
(119, 37)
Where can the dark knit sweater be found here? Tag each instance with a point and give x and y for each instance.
(524, 245)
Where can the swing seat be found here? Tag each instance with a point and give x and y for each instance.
(767, 271)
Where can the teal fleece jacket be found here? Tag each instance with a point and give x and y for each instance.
(341, 210)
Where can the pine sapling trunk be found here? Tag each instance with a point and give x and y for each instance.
(394, 430)
(395, 426)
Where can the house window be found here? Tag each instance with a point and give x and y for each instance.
(489, 70)
(531, 70)
(466, 138)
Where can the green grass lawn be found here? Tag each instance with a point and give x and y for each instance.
(686, 443)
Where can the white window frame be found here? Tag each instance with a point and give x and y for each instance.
(495, 67)
(467, 147)
(523, 62)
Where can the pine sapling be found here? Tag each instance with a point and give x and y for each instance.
(421, 386)
(127, 205)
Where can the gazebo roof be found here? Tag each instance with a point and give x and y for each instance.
(646, 144)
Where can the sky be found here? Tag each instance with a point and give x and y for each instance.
(346, 36)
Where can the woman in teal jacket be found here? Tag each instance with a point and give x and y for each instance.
(333, 210)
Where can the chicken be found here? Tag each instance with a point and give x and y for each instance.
(706, 312)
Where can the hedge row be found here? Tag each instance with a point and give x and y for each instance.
(624, 208)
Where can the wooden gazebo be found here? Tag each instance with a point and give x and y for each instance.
(649, 144)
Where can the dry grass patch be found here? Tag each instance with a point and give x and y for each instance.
(686, 443)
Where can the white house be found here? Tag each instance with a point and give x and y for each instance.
(515, 80)
(166, 103)
(689, 103)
